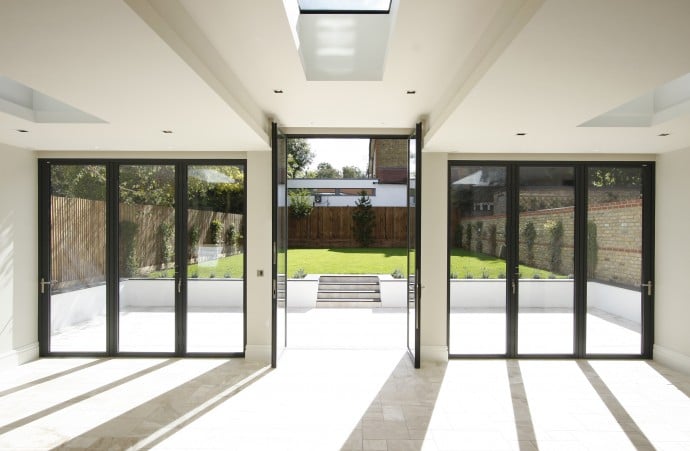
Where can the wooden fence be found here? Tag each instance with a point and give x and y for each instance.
(331, 227)
(78, 252)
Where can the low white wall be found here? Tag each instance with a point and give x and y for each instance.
(201, 293)
(302, 293)
(393, 291)
(74, 307)
(490, 293)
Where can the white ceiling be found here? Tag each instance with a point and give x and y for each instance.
(483, 70)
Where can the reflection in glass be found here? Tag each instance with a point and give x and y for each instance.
(215, 258)
(546, 245)
(614, 260)
(77, 258)
(147, 258)
(281, 242)
(477, 262)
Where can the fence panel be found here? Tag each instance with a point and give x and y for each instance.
(332, 227)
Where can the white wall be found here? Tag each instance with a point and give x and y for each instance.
(671, 295)
(259, 239)
(434, 257)
(18, 260)
(387, 195)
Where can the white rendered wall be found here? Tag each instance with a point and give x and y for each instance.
(434, 257)
(387, 195)
(18, 260)
(671, 295)
(259, 243)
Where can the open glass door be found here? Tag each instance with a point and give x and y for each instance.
(414, 175)
(280, 220)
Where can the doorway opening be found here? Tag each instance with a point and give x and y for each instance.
(348, 233)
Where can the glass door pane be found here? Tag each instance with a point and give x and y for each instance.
(614, 260)
(77, 258)
(414, 185)
(215, 258)
(146, 196)
(545, 253)
(477, 268)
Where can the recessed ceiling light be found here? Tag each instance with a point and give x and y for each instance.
(277, 91)
(520, 134)
(21, 130)
(167, 132)
(411, 91)
(664, 134)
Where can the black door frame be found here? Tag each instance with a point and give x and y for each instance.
(580, 256)
(418, 134)
(112, 253)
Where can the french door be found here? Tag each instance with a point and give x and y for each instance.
(414, 255)
(279, 245)
(142, 257)
(550, 259)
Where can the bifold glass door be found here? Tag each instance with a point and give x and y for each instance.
(550, 259)
(142, 257)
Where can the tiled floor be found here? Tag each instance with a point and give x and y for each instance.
(343, 399)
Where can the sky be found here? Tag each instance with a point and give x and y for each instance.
(340, 152)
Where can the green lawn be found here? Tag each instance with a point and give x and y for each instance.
(463, 264)
(225, 267)
(347, 261)
(471, 265)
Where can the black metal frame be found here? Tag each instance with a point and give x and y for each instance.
(343, 11)
(112, 166)
(580, 256)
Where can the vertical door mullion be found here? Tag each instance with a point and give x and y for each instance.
(44, 246)
(112, 211)
(512, 267)
(580, 263)
(648, 183)
(180, 258)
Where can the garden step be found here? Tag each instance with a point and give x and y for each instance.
(350, 303)
(348, 295)
(349, 279)
(349, 286)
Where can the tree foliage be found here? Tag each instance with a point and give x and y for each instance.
(301, 203)
(299, 157)
(352, 172)
(364, 219)
(325, 170)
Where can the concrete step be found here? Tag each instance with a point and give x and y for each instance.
(349, 279)
(349, 286)
(357, 303)
(348, 295)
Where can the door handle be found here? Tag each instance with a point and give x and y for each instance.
(650, 287)
(179, 285)
(42, 284)
(513, 286)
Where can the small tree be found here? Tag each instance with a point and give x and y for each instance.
(363, 218)
(492, 239)
(468, 236)
(592, 249)
(216, 229)
(480, 236)
(301, 203)
(555, 229)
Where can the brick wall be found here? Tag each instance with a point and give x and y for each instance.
(619, 238)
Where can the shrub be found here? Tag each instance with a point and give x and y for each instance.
(458, 235)
(480, 236)
(299, 274)
(555, 229)
(453, 275)
(529, 236)
(363, 219)
(193, 240)
(398, 274)
(231, 234)
(129, 263)
(301, 204)
(492, 239)
(468, 237)
(592, 249)
(166, 232)
(216, 231)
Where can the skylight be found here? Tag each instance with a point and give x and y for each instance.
(344, 6)
(26, 103)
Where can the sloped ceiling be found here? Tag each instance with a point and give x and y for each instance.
(482, 70)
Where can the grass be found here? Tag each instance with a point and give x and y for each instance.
(471, 265)
(463, 264)
(232, 266)
(347, 261)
